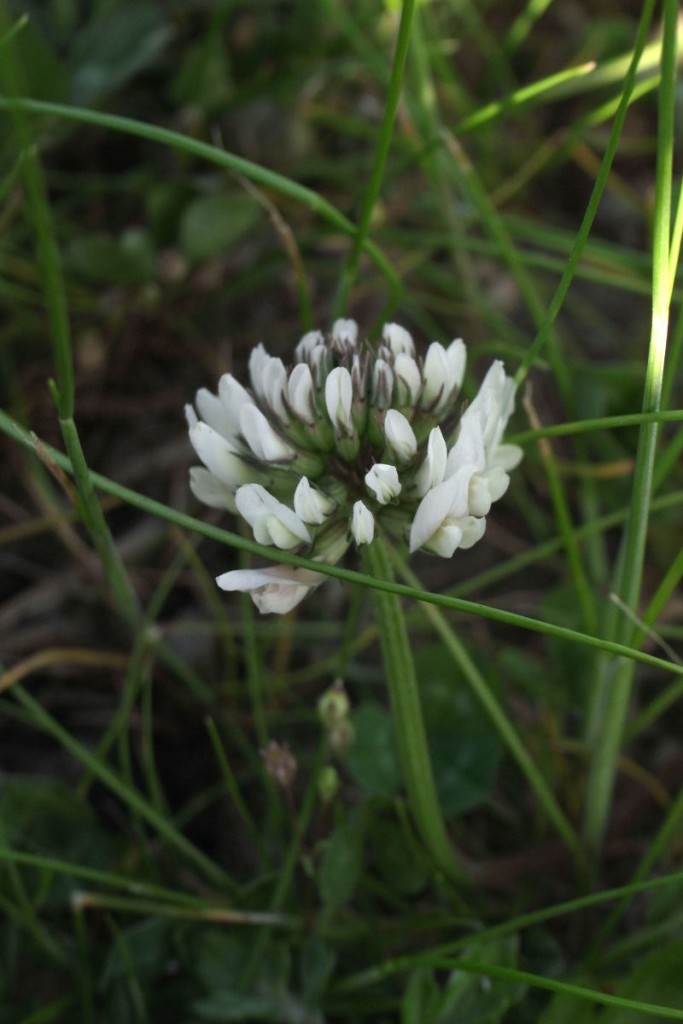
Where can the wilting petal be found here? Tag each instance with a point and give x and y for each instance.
(398, 339)
(277, 589)
(382, 479)
(310, 504)
(400, 435)
(265, 443)
(362, 524)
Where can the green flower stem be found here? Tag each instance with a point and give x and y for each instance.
(407, 713)
(612, 696)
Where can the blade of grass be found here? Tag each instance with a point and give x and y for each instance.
(163, 826)
(596, 195)
(50, 266)
(372, 190)
(374, 975)
(612, 697)
(503, 726)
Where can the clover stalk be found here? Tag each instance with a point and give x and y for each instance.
(406, 707)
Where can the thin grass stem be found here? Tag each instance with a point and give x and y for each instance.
(372, 190)
(612, 697)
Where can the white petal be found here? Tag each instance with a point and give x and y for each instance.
(433, 469)
(264, 442)
(190, 416)
(456, 353)
(409, 378)
(271, 521)
(233, 396)
(258, 361)
(447, 501)
(398, 339)
(497, 482)
(507, 456)
(310, 504)
(218, 456)
(339, 398)
(277, 589)
(479, 496)
(400, 435)
(300, 392)
(213, 412)
(445, 540)
(469, 447)
(472, 530)
(383, 481)
(210, 490)
(435, 375)
(362, 524)
(306, 345)
(382, 383)
(346, 332)
(274, 382)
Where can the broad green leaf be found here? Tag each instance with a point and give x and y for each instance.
(341, 866)
(372, 759)
(464, 747)
(212, 224)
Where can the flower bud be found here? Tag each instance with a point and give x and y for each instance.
(339, 398)
(400, 435)
(382, 479)
(362, 524)
(398, 339)
(310, 504)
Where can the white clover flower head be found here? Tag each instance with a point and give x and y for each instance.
(348, 440)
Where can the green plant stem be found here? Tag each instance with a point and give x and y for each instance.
(612, 694)
(407, 716)
(371, 191)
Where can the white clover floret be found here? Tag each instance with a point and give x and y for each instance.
(293, 453)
